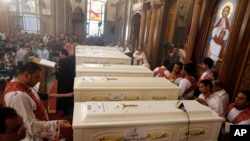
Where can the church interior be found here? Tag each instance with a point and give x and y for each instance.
(218, 29)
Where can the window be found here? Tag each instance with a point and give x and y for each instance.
(29, 12)
(95, 17)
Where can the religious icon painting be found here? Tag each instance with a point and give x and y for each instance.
(13, 5)
(46, 7)
(17, 22)
(221, 30)
(29, 6)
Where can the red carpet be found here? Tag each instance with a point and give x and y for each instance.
(52, 101)
(65, 133)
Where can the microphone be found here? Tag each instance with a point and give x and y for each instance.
(180, 105)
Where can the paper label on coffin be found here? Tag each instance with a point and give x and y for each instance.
(94, 79)
(115, 97)
(135, 134)
(144, 110)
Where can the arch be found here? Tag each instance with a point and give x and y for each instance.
(78, 10)
(77, 22)
(135, 29)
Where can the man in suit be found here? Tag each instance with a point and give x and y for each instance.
(65, 74)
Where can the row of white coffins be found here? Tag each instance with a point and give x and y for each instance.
(115, 101)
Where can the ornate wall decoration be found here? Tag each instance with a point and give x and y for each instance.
(13, 6)
(29, 6)
(245, 81)
(221, 29)
(46, 7)
(17, 22)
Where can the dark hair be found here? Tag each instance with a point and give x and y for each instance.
(165, 63)
(218, 83)
(65, 52)
(8, 49)
(247, 94)
(208, 61)
(29, 47)
(179, 64)
(6, 113)
(189, 68)
(22, 45)
(226, 7)
(30, 67)
(207, 82)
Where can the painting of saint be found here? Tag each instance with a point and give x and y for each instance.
(17, 22)
(13, 5)
(221, 30)
(29, 6)
(46, 7)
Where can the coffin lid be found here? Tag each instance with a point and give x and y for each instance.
(112, 68)
(102, 55)
(145, 110)
(126, 83)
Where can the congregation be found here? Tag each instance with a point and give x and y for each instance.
(20, 51)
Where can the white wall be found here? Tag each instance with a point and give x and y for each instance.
(111, 10)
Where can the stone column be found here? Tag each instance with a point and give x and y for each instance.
(142, 27)
(193, 30)
(60, 17)
(155, 4)
(173, 15)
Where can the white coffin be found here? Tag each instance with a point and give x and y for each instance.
(102, 58)
(91, 88)
(84, 48)
(102, 121)
(112, 70)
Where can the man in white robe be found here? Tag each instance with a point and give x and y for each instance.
(237, 113)
(20, 95)
(208, 98)
(221, 92)
(140, 58)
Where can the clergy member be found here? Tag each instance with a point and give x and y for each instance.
(20, 95)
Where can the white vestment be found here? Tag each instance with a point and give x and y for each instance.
(224, 98)
(25, 105)
(214, 102)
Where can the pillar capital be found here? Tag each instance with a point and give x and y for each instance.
(155, 4)
(199, 2)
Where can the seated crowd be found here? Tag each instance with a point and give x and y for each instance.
(208, 91)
